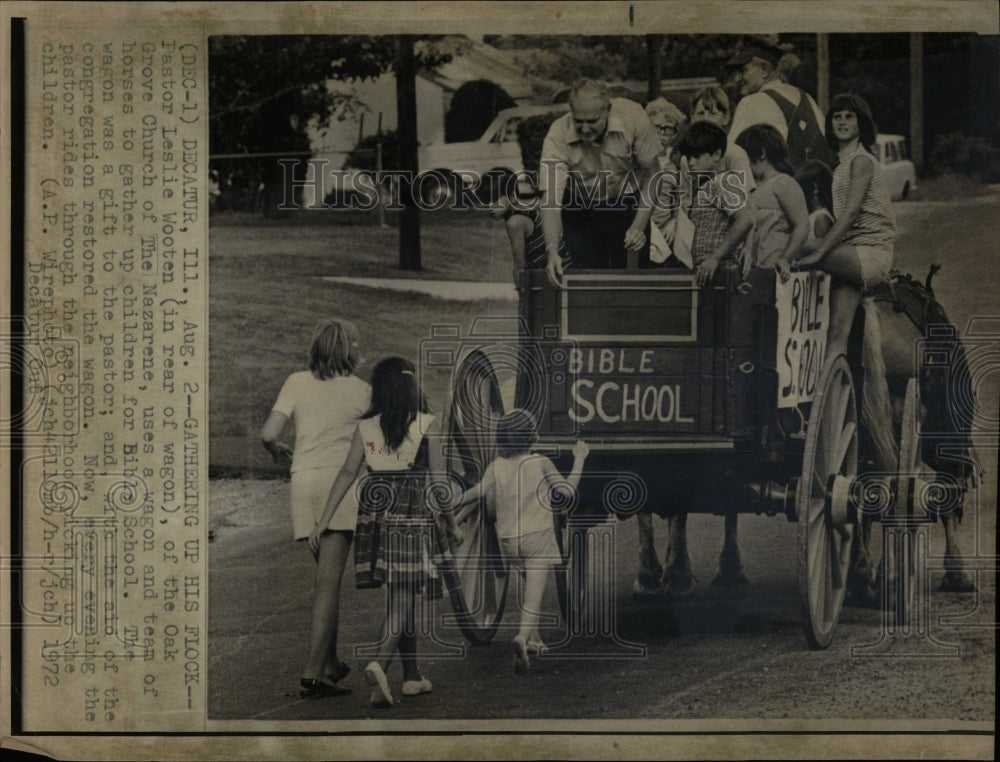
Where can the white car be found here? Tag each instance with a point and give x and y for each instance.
(899, 171)
(496, 153)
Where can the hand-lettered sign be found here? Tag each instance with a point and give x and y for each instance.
(803, 303)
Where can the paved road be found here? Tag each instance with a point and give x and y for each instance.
(717, 653)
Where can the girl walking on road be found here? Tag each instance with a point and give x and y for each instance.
(392, 544)
(517, 486)
(325, 403)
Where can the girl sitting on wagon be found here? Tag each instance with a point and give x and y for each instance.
(781, 217)
(858, 250)
(816, 181)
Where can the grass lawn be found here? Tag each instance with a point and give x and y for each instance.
(266, 294)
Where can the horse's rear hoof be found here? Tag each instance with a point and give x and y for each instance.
(867, 598)
(640, 588)
(677, 584)
(956, 582)
(730, 579)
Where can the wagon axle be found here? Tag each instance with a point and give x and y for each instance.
(876, 498)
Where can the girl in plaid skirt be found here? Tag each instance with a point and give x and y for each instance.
(394, 530)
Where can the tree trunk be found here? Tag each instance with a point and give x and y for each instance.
(654, 63)
(823, 71)
(917, 100)
(406, 115)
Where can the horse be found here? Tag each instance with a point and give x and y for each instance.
(891, 322)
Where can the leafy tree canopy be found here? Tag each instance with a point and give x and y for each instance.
(265, 91)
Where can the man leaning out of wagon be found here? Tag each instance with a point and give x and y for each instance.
(597, 162)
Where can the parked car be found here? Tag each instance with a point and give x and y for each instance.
(494, 156)
(900, 173)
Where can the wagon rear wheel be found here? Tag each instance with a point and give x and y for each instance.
(479, 584)
(831, 449)
(478, 578)
(899, 532)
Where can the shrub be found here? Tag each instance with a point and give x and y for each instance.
(969, 155)
(362, 156)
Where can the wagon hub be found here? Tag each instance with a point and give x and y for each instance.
(840, 508)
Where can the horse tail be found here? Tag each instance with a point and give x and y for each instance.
(930, 277)
(876, 405)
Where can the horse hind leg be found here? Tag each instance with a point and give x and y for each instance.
(956, 579)
(862, 575)
(647, 578)
(677, 576)
(730, 572)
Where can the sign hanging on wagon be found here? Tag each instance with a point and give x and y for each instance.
(803, 303)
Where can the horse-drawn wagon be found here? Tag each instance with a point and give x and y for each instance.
(713, 400)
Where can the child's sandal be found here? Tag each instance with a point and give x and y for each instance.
(519, 649)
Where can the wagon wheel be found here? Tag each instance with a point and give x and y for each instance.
(477, 579)
(479, 589)
(831, 449)
(899, 543)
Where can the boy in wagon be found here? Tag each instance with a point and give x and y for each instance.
(715, 202)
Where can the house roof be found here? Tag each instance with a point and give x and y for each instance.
(477, 60)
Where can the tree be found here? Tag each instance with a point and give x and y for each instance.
(406, 116)
(473, 106)
(266, 91)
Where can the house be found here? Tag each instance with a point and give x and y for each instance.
(367, 104)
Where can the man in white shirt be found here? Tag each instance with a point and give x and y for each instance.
(596, 164)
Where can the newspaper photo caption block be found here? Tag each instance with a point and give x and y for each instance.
(114, 461)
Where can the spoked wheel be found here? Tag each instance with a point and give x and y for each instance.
(480, 594)
(476, 575)
(825, 530)
(899, 531)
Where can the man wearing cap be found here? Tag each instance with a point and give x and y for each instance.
(768, 100)
(597, 162)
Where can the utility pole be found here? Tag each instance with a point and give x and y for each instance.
(406, 116)
(654, 64)
(823, 71)
(917, 100)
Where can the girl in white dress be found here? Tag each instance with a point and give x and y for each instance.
(325, 403)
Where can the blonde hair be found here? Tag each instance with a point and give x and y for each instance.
(663, 107)
(334, 349)
(713, 95)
